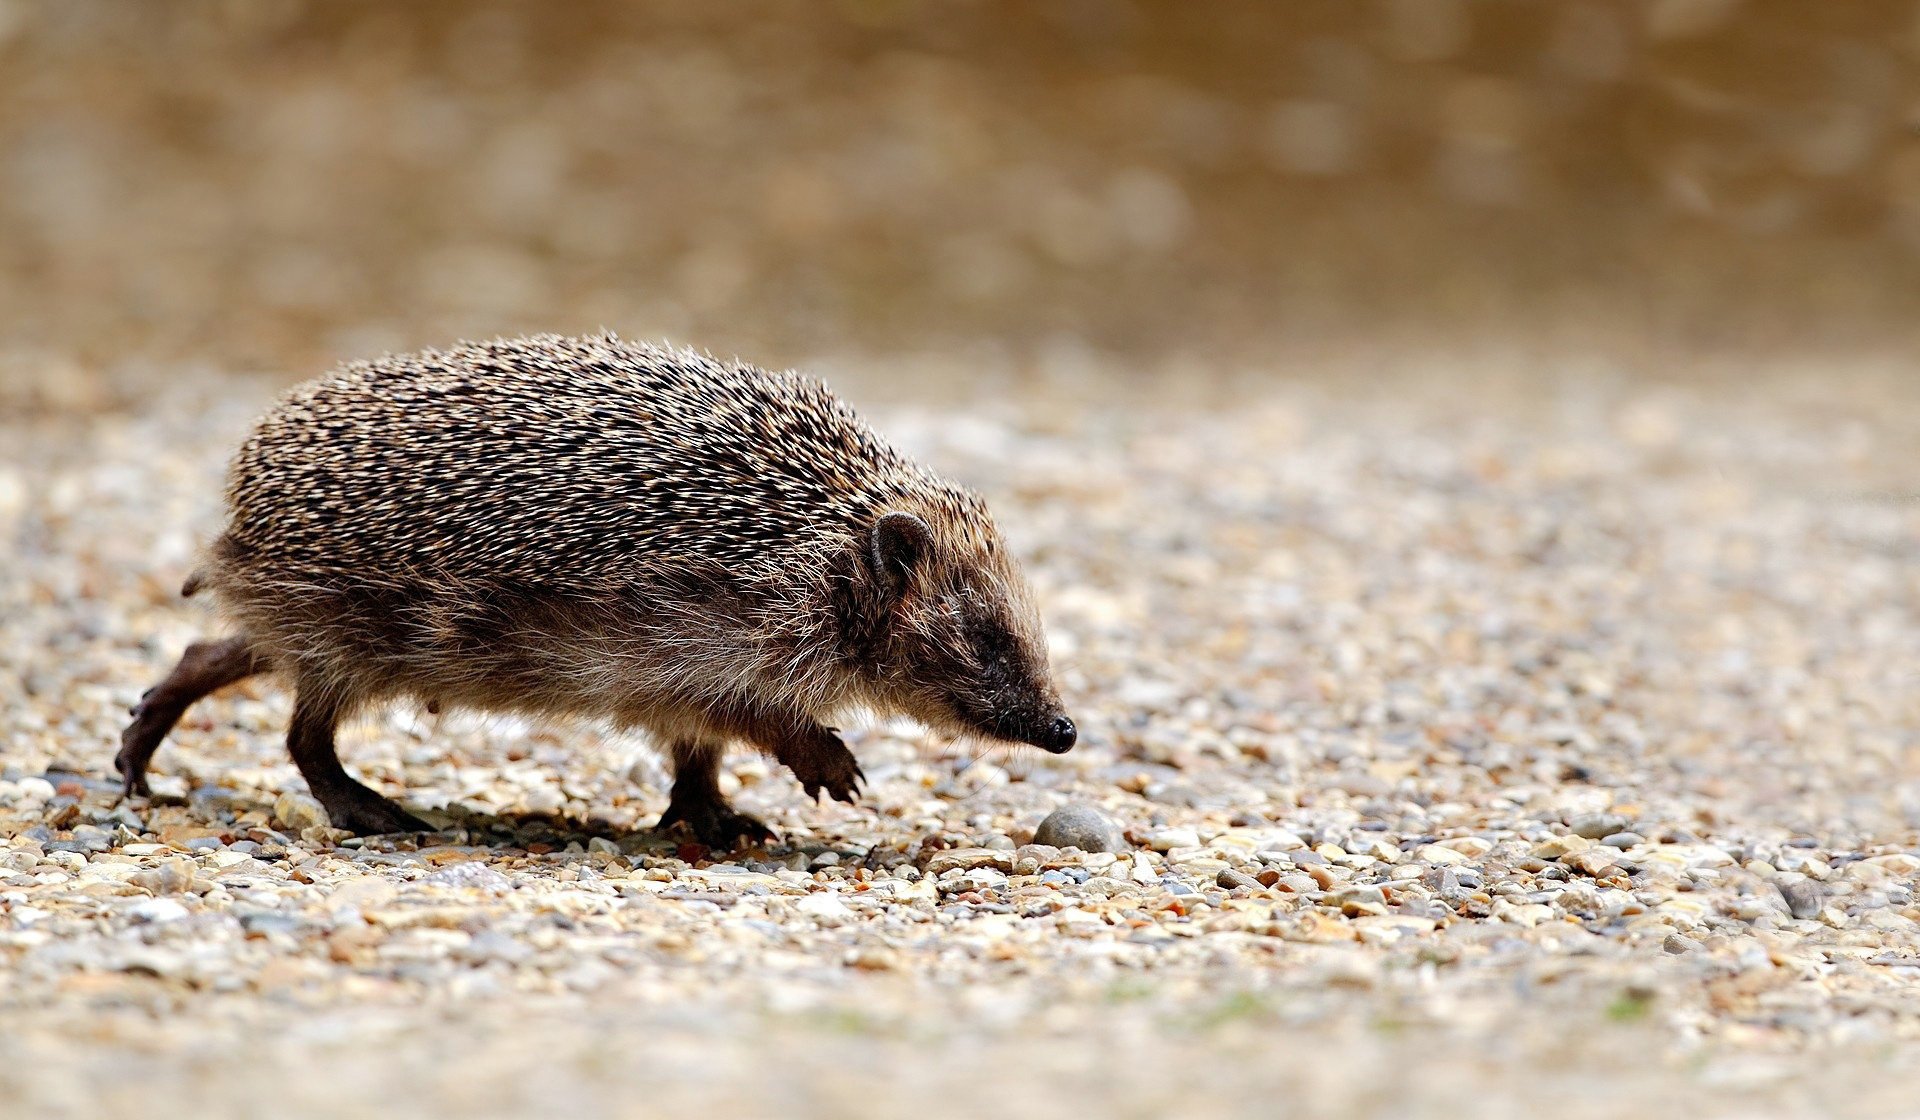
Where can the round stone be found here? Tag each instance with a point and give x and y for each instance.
(1082, 827)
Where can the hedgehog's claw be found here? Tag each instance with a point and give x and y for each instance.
(826, 768)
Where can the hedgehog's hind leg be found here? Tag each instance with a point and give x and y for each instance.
(697, 802)
(205, 667)
(349, 804)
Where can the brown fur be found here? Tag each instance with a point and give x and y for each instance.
(591, 527)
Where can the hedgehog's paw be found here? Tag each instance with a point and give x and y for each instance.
(716, 824)
(131, 762)
(365, 813)
(838, 776)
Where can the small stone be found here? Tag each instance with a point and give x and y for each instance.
(1230, 879)
(265, 922)
(361, 894)
(1591, 861)
(170, 877)
(1598, 825)
(968, 859)
(1441, 856)
(1677, 943)
(1167, 839)
(297, 812)
(470, 875)
(1899, 863)
(155, 910)
(825, 908)
(875, 959)
(1322, 875)
(1623, 840)
(1082, 827)
(1554, 847)
(1358, 901)
(1804, 897)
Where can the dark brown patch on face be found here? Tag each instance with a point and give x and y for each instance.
(953, 638)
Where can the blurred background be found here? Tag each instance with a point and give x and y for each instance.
(1059, 190)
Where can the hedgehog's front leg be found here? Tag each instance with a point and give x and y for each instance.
(697, 802)
(818, 758)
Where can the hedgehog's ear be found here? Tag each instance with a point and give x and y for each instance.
(899, 543)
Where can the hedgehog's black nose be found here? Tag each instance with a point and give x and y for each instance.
(1060, 736)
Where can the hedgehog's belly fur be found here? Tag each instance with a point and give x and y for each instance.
(635, 656)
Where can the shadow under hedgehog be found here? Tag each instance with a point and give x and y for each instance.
(598, 528)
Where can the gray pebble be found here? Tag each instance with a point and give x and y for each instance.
(1230, 879)
(1082, 827)
(267, 921)
(1598, 825)
(1804, 897)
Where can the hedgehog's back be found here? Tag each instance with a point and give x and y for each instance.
(557, 462)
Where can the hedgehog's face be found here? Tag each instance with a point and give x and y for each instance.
(962, 648)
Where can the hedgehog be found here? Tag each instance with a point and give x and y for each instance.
(700, 550)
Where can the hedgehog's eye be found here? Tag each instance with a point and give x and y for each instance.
(992, 639)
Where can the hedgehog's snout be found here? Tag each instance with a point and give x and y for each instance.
(1052, 732)
(1058, 736)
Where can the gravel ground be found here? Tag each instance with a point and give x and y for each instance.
(1484, 749)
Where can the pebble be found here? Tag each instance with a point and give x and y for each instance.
(968, 859)
(1082, 827)
(1598, 826)
(155, 910)
(170, 876)
(1231, 879)
(297, 812)
(470, 875)
(1554, 847)
(1437, 854)
(1591, 861)
(1358, 900)
(1804, 898)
